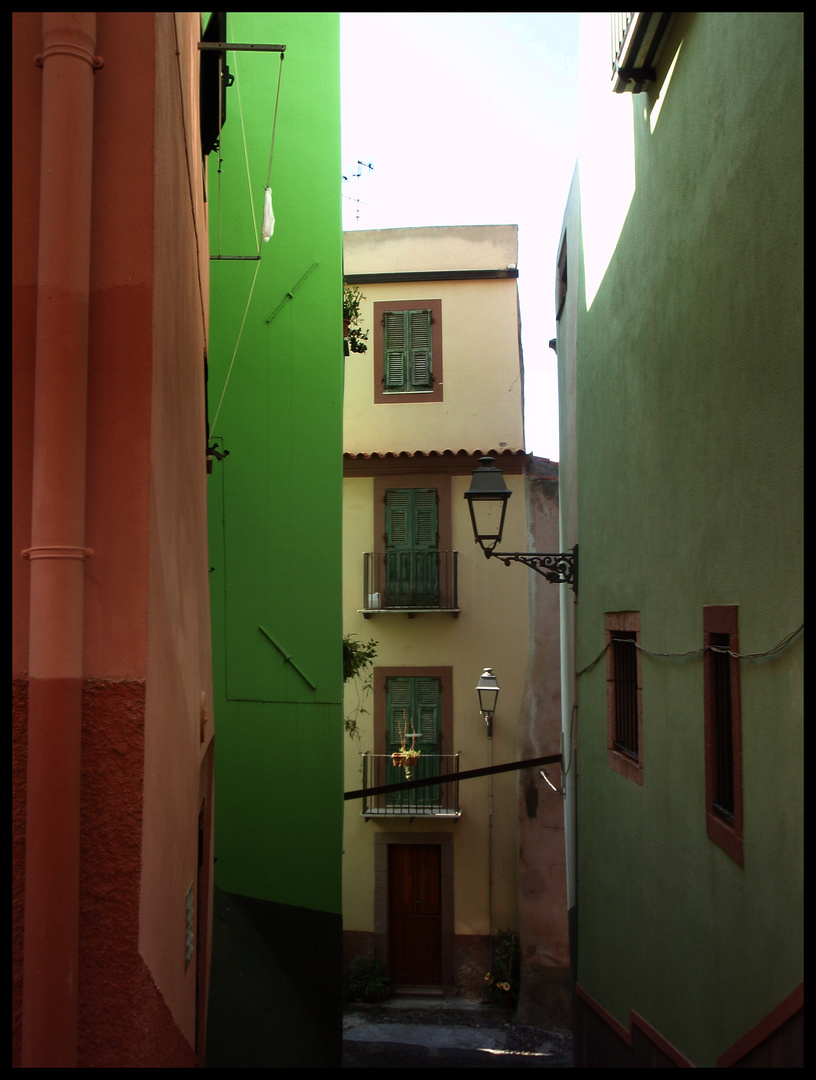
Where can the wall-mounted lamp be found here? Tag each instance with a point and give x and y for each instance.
(487, 498)
(488, 691)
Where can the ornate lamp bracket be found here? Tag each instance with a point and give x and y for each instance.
(560, 568)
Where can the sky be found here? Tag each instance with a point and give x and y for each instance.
(493, 102)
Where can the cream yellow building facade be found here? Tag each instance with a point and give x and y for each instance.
(429, 872)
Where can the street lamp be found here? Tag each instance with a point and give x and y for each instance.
(487, 498)
(488, 691)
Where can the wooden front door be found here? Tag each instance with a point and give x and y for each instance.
(415, 914)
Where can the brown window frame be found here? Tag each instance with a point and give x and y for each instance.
(622, 697)
(381, 397)
(723, 729)
(381, 677)
(441, 482)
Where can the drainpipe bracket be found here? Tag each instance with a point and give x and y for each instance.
(57, 551)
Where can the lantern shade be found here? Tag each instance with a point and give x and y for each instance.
(488, 691)
(487, 499)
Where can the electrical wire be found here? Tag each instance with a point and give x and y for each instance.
(697, 652)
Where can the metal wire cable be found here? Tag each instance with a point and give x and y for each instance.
(254, 223)
(697, 652)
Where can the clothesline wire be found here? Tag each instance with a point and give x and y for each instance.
(254, 223)
(274, 121)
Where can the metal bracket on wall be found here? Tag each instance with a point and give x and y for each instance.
(290, 295)
(287, 658)
(231, 46)
(560, 568)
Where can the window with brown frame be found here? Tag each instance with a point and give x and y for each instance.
(384, 682)
(623, 694)
(723, 737)
(407, 351)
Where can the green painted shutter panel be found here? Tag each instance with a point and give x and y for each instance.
(425, 518)
(420, 348)
(399, 536)
(398, 518)
(425, 563)
(428, 711)
(419, 700)
(395, 352)
(412, 547)
(399, 705)
(408, 349)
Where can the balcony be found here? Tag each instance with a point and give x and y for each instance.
(436, 800)
(410, 582)
(637, 41)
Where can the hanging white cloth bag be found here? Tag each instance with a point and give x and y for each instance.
(268, 226)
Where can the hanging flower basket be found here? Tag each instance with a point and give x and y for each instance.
(402, 760)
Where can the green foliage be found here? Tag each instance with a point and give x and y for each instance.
(357, 337)
(357, 656)
(504, 978)
(367, 980)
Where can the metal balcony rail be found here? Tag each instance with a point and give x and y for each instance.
(410, 581)
(431, 800)
(637, 40)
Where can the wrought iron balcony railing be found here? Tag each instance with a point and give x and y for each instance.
(431, 800)
(637, 40)
(410, 581)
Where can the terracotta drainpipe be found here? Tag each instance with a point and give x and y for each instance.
(57, 552)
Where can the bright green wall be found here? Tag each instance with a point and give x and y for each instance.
(275, 501)
(689, 436)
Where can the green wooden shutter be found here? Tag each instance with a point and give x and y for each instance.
(399, 537)
(427, 712)
(395, 351)
(399, 706)
(407, 350)
(425, 560)
(419, 700)
(425, 518)
(412, 547)
(421, 370)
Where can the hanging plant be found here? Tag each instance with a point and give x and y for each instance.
(357, 656)
(354, 335)
(406, 757)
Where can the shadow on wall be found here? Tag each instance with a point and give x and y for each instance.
(275, 986)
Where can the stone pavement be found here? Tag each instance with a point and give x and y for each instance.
(446, 1033)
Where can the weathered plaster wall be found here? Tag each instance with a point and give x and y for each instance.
(689, 391)
(545, 992)
(478, 365)
(146, 615)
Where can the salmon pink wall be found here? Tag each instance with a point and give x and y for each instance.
(147, 725)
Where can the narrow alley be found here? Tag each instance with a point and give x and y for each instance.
(446, 1034)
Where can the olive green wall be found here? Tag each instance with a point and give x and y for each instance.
(688, 492)
(275, 501)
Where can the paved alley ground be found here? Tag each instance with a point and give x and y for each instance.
(446, 1033)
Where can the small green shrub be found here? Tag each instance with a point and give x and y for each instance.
(504, 978)
(367, 980)
(357, 656)
(357, 337)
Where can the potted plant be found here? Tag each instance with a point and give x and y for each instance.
(406, 757)
(354, 336)
(502, 984)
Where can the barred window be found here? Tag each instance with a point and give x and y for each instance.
(623, 694)
(723, 749)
